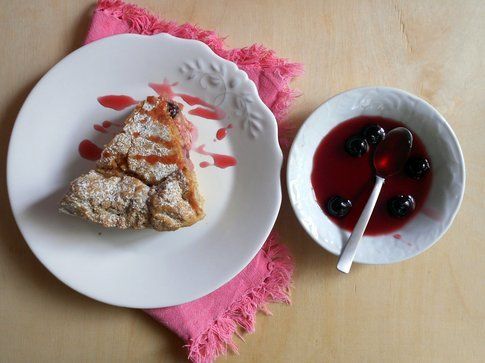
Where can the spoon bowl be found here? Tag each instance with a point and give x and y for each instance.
(392, 153)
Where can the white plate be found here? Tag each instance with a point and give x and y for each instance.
(144, 269)
(447, 163)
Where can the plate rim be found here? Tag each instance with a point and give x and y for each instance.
(277, 152)
(454, 138)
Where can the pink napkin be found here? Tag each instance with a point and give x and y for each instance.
(208, 324)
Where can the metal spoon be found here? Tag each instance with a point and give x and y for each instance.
(389, 158)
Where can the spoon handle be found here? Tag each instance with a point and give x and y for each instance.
(348, 254)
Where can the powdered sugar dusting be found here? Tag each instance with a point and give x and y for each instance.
(148, 106)
(143, 125)
(138, 183)
(114, 201)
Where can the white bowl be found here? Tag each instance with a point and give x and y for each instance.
(447, 187)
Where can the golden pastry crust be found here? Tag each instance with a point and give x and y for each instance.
(113, 201)
(170, 204)
(144, 177)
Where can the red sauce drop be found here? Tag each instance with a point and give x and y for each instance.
(220, 160)
(88, 150)
(120, 102)
(212, 113)
(206, 113)
(337, 173)
(155, 139)
(100, 128)
(151, 100)
(164, 89)
(222, 132)
(399, 237)
(192, 100)
(117, 102)
(204, 164)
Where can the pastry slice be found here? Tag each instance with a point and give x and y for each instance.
(144, 178)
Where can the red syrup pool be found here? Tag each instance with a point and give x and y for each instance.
(335, 172)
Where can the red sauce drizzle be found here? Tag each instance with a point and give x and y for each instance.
(206, 111)
(105, 125)
(192, 100)
(159, 140)
(153, 159)
(88, 150)
(222, 132)
(117, 102)
(155, 139)
(220, 160)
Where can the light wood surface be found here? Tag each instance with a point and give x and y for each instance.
(428, 309)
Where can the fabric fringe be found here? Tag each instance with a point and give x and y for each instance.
(218, 339)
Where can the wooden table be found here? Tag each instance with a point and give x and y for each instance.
(428, 309)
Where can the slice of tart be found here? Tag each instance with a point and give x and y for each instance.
(144, 178)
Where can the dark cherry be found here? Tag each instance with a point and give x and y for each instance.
(417, 167)
(338, 207)
(374, 134)
(173, 109)
(401, 205)
(356, 146)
